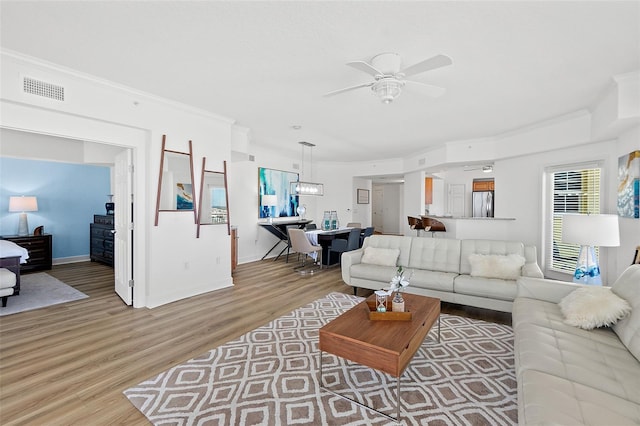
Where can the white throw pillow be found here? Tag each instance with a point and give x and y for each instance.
(592, 307)
(507, 267)
(380, 256)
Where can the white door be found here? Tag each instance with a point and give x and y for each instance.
(123, 238)
(456, 200)
(391, 209)
(376, 209)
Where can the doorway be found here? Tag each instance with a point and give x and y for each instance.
(385, 208)
(27, 145)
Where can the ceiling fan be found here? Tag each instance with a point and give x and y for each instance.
(389, 78)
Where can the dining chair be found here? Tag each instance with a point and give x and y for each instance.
(340, 245)
(368, 231)
(301, 245)
(289, 240)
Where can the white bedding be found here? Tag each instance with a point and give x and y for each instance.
(10, 249)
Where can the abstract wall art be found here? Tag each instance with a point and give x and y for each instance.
(629, 185)
(278, 183)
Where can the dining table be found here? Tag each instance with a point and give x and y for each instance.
(324, 238)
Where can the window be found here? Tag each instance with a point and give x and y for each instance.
(574, 190)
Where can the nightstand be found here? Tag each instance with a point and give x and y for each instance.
(39, 247)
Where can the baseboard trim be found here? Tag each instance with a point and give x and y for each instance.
(70, 259)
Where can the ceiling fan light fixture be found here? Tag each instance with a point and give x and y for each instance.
(387, 89)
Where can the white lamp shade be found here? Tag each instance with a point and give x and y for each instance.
(591, 230)
(269, 200)
(23, 204)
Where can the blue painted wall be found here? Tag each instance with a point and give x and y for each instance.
(68, 197)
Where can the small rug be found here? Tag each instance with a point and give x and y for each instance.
(38, 290)
(269, 376)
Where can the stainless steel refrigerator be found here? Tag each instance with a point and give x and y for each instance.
(482, 203)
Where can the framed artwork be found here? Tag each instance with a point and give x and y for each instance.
(274, 193)
(629, 185)
(363, 196)
(184, 196)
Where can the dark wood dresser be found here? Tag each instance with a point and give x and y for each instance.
(101, 235)
(39, 248)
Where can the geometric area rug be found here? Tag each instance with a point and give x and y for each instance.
(269, 376)
(38, 290)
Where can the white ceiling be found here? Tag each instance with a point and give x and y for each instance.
(267, 64)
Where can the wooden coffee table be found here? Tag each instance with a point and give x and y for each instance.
(386, 346)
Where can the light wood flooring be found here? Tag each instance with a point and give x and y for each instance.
(70, 363)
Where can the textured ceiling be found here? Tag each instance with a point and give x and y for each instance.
(267, 64)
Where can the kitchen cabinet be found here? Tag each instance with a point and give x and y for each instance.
(483, 185)
(428, 190)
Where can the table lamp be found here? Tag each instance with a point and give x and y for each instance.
(269, 201)
(23, 204)
(590, 230)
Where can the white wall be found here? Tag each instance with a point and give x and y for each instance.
(438, 206)
(170, 263)
(361, 212)
(521, 191)
(413, 195)
(253, 240)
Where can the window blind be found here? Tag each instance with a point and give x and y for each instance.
(575, 191)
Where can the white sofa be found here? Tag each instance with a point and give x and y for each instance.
(441, 268)
(568, 375)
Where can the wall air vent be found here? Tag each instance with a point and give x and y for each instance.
(42, 88)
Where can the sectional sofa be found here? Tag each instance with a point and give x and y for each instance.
(571, 368)
(479, 273)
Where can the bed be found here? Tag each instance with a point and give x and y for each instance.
(11, 256)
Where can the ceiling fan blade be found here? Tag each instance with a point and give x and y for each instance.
(365, 67)
(428, 89)
(426, 65)
(346, 89)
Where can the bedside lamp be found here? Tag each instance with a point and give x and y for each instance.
(590, 230)
(23, 204)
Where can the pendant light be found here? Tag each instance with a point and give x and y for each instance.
(303, 187)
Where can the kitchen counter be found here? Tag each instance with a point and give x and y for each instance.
(468, 218)
(482, 228)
